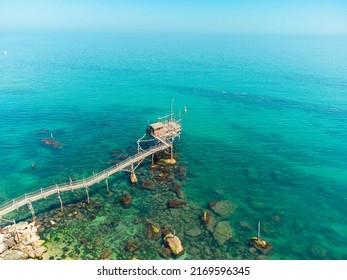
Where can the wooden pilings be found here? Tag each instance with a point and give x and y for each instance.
(31, 208)
(88, 199)
(61, 202)
(107, 185)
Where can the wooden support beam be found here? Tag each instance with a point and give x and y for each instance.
(88, 200)
(107, 185)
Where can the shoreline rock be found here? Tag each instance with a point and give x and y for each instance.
(20, 242)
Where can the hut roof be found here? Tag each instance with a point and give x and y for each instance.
(156, 125)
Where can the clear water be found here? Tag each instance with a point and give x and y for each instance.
(266, 125)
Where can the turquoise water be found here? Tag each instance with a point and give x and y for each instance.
(266, 125)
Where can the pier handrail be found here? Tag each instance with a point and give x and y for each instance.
(43, 193)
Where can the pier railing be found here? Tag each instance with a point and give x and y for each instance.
(83, 183)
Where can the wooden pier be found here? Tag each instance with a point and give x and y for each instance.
(161, 136)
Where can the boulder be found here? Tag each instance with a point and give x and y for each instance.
(224, 208)
(131, 246)
(133, 178)
(193, 231)
(262, 246)
(177, 203)
(106, 254)
(153, 230)
(174, 243)
(2, 236)
(211, 224)
(10, 242)
(165, 252)
(22, 226)
(222, 232)
(149, 185)
(206, 217)
(178, 190)
(3, 247)
(127, 200)
(14, 255)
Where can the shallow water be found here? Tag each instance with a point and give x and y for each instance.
(265, 128)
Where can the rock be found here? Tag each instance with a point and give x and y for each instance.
(153, 230)
(10, 242)
(31, 254)
(131, 246)
(176, 203)
(178, 190)
(14, 255)
(261, 245)
(174, 243)
(194, 231)
(224, 208)
(194, 251)
(149, 185)
(211, 224)
(168, 161)
(133, 178)
(106, 254)
(34, 238)
(206, 217)
(222, 232)
(2, 236)
(39, 252)
(40, 229)
(127, 200)
(19, 247)
(25, 240)
(22, 226)
(165, 252)
(3, 247)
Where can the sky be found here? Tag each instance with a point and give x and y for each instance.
(234, 16)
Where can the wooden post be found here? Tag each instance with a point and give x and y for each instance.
(107, 185)
(152, 159)
(61, 202)
(17, 234)
(31, 208)
(88, 201)
(258, 231)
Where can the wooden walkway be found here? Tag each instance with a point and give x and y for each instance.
(84, 183)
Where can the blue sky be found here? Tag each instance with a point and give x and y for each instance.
(235, 16)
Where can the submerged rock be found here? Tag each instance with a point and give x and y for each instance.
(165, 252)
(106, 254)
(131, 246)
(222, 232)
(194, 231)
(153, 230)
(261, 245)
(178, 190)
(176, 203)
(206, 217)
(224, 208)
(127, 200)
(149, 185)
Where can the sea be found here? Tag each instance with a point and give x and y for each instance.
(265, 129)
